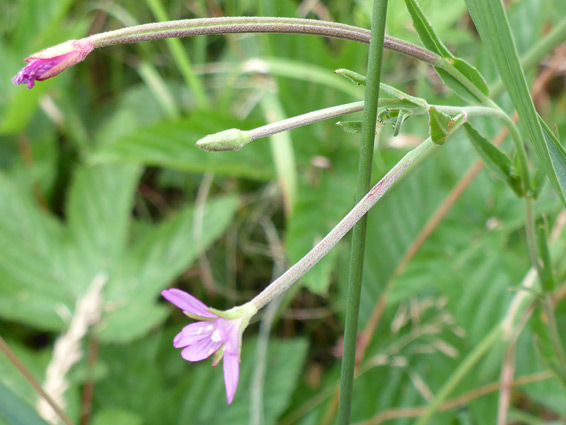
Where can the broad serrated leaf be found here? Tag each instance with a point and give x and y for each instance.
(155, 259)
(47, 266)
(172, 145)
(493, 26)
(98, 214)
(494, 159)
(205, 399)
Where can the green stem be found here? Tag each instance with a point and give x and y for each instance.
(287, 279)
(375, 60)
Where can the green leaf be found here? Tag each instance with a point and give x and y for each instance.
(205, 399)
(441, 125)
(307, 226)
(30, 286)
(493, 26)
(425, 31)
(99, 210)
(352, 127)
(386, 92)
(172, 145)
(47, 266)
(557, 156)
(395, 117)
(546, 345)
(16, 410)
(117, 416)
(432, 42)
(162, 253)
(494, 159)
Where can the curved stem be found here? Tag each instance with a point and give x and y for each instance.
(227, 25)
(287, 279)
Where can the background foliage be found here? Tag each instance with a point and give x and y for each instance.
(99, 176)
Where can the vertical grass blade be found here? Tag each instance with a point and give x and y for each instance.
(493, 26)
(359, 233)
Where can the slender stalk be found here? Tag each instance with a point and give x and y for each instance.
(33, 382)
(232, 25)
(348, 108)
(287, 279)
(375, 60)
(305, 119)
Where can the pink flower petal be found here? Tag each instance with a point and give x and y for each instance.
(193, 333)
(200, 350)
(52, 61)
(230, 331)
(188, 303)
(231, 375)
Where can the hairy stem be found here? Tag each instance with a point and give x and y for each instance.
(230, 25)
(287, 279)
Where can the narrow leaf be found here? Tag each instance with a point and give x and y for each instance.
(557, 156)
(495, 160)
(351, 127)
(385, 90)
(432, 42)
(425, 31)
(493, 26)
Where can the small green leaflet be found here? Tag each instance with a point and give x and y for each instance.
(443, 125)
(496, 161)
(386, 91)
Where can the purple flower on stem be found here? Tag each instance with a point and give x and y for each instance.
(52, 61)
(216, 332)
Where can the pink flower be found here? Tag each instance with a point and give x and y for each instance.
(216, 332)
(52, 61)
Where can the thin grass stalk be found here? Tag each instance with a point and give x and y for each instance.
(375, 60)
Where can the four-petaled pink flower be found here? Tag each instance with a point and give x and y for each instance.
(216, 332)
(52, 61)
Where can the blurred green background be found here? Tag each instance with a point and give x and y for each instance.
(100, 179)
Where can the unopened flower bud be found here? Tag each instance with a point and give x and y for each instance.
(52, 61)
(227, 140)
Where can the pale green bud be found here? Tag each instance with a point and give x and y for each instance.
(227, 140)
